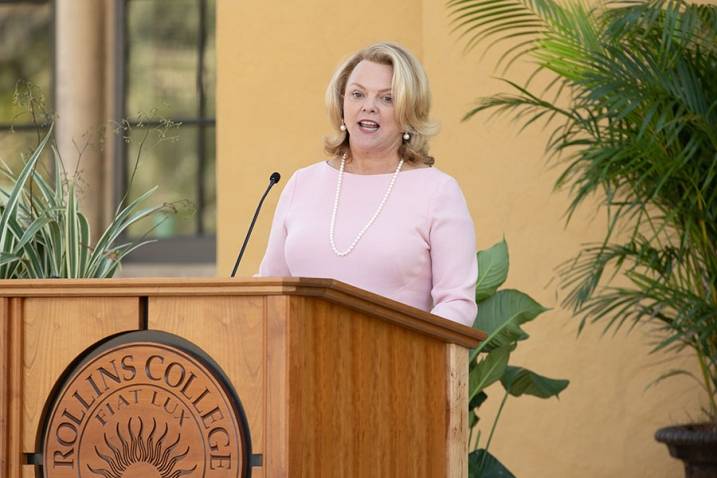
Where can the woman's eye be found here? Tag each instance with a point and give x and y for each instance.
(388, 99)
(356, 94)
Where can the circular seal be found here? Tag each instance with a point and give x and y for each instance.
(146, 404)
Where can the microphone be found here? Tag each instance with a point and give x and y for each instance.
(273, 179)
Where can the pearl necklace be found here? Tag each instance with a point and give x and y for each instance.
(368, 224)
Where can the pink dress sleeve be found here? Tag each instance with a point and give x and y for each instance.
(274, 262)
(453, 255)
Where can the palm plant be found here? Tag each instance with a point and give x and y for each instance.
(631, 104)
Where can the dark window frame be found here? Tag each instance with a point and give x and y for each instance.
(199, 248)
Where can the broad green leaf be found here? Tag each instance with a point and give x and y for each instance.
(492, 270)
(472, 419)
(481, 464)
(477, 400)
(519, 381)
(501, 315)
(488, 371)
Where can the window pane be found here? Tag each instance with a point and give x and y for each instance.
(210, 60)
(24, 53)
(173, 166)
(162, 49)
(209, 215)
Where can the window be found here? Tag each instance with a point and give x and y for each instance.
(165, 71)
(25, 59)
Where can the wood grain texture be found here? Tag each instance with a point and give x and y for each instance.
(231, 331)
(55, 332)
(15, 387)
(366, 398)
(4, 382)
(11, 390)
(334, 381)
(331, 290)
(276, 456)
(457, 411)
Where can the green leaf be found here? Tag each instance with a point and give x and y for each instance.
(675, 373)
(492, 270)
(122, 220)
(481, 464)
(83, 243)
(72, 233)
(489, 370)
(7, 258)
(30, 232)
(121, 255)
(28, 244)
(10, 207)
(56, 249)
(472, 417)
(477, 400)
(43, 232)
(519, 381)
(501, 315)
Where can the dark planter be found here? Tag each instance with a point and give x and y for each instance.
(695, 444)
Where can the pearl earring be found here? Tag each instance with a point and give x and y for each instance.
(342, 127)
(406, 136)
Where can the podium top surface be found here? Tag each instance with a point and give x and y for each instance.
(327, 289)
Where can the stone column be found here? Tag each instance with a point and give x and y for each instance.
(80, 98)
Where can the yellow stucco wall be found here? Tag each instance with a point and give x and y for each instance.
(274, 60)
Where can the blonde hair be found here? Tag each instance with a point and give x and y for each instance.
(411, 99)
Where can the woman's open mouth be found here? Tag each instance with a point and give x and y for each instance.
(368, 126)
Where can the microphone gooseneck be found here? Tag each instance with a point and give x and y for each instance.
(273, 179)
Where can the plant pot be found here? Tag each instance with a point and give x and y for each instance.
(694, 444)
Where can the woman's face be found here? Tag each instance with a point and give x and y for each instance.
(369, 111)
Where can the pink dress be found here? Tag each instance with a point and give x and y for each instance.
(419, 251)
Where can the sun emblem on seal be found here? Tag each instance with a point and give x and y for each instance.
(140, 455)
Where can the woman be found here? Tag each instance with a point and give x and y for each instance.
(377, 215)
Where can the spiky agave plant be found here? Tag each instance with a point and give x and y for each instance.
(632, 105)
(43, 233)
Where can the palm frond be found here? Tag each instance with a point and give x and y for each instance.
(637, 129)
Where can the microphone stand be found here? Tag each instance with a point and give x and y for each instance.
(273, 179)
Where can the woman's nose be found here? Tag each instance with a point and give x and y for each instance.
(369, 104)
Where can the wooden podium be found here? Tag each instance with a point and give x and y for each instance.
(332, 381)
